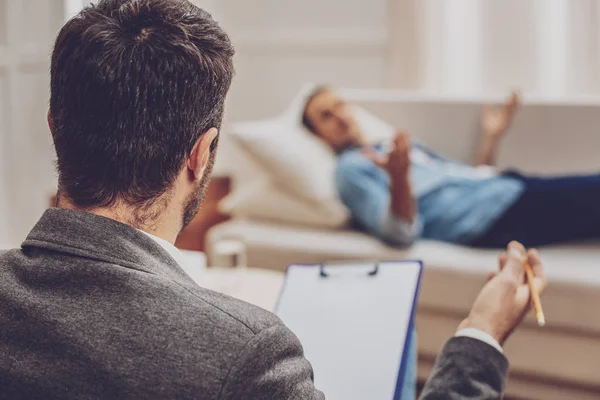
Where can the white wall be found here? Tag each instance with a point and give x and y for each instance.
(546, 48)
(458, 47)
(27, 28)
(474, 47)
(447, 47)
(72, 7)
(283, 44)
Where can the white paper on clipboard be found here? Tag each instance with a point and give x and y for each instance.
(353, 324)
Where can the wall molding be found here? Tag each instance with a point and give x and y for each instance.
(306, 41)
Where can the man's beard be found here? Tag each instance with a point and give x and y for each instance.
(196, 198)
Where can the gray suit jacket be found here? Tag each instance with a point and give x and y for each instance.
(94, 309)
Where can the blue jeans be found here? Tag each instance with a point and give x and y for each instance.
(551, 210)
(409, 387)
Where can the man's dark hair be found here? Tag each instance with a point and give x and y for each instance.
(308, 124)
(134, 84)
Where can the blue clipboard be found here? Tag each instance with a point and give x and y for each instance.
(364, 310)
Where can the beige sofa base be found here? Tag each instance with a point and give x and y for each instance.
(560, 361)
(538, 366)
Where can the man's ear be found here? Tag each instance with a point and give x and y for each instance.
(50, 123)
(201, 153)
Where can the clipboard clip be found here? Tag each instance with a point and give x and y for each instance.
(375, 270)
(324, 273)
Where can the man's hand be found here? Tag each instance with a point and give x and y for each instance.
(496, 120)
(494, 123)
(397, 162)
(505, 299)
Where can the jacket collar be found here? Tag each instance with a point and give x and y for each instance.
(91, 236)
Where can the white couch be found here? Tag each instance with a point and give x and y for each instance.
(559, 361)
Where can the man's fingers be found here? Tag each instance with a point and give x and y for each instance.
(401, 135)
(511, 105)
(401, 140)
(502, 260)
(514, 101)
(536, 263)
(540, 281)
(491, 275)
(516, 245)
(514, 266)
(540, 285)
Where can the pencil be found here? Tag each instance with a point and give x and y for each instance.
(537, 304)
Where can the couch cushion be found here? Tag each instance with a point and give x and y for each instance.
(453, 274)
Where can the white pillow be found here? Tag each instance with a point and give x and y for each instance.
(296, 159)
(263, 200)
(255, 196)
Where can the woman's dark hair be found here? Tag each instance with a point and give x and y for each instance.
(134, 84)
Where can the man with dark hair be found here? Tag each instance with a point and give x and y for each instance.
(119, 144)
(407, 191)
(95, 305)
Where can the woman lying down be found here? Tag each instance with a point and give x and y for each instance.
(408, 191)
